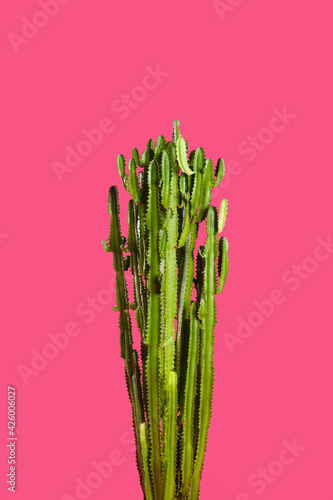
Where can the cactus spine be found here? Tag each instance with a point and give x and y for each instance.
(170, 385)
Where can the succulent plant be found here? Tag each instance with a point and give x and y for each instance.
(170, 383)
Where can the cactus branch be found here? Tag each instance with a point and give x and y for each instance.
(170, 377)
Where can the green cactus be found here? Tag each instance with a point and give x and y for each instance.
(170, 383)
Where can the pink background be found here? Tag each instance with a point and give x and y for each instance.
(225, 76)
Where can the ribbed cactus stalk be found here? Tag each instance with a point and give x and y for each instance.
(170, 385)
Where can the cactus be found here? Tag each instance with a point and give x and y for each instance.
(170, 384)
